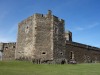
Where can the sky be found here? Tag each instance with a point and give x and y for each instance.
(82, 17)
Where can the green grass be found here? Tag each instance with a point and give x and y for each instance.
(27, 68)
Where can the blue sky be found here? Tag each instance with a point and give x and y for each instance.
(82, 17)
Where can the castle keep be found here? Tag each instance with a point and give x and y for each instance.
(42, 39)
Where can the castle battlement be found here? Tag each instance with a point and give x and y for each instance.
(39, 16)
(10, 43)
(82, 45)
(58, 19)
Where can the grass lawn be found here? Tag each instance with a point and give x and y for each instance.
(27, 68)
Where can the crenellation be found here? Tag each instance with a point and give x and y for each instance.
(40, 15)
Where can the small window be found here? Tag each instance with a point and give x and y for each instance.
(27, 27)
(61, 53)
(43, 52)
(6, 48)
(35, 27)
(42, 15)
(13, 46)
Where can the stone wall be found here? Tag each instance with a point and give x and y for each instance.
(34, 38)
(82, 53)
(59, 39)
(41, 37)
(1, 46)
(43, 44)
(1, 50)
(8, 51)
(25, 39)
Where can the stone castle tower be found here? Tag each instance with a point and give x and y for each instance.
(41, 38)
(68, 35)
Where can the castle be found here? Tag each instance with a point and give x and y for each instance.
(42, 39)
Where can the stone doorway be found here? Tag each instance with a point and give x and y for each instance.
(72, 58)
(71, 55)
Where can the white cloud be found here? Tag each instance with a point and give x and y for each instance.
(79, 28)
(93, 25)
(97, 45)
(87, 27)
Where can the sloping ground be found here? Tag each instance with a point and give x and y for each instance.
(27, 68)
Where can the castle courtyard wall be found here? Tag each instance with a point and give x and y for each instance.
(82, 53)
(8, 51)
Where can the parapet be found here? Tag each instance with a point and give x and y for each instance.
(55, 18)
(26, 20)
(82, 45)
(10, 43)
(39, 16)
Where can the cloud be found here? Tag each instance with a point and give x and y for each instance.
(93, 25)
(79, 28)
(87, 27)
(97, 45)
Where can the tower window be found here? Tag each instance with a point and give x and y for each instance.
(27, 27)
(6, 48)
(35, 27)
(61, 53)
(56, 30)
(13, 46)
(43, 52)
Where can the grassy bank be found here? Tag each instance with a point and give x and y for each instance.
(27, 68)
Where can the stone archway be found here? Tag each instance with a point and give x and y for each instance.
(63, 62)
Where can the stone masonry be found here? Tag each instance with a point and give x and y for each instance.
(82, 53)
(7, 51)
(43, 39)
